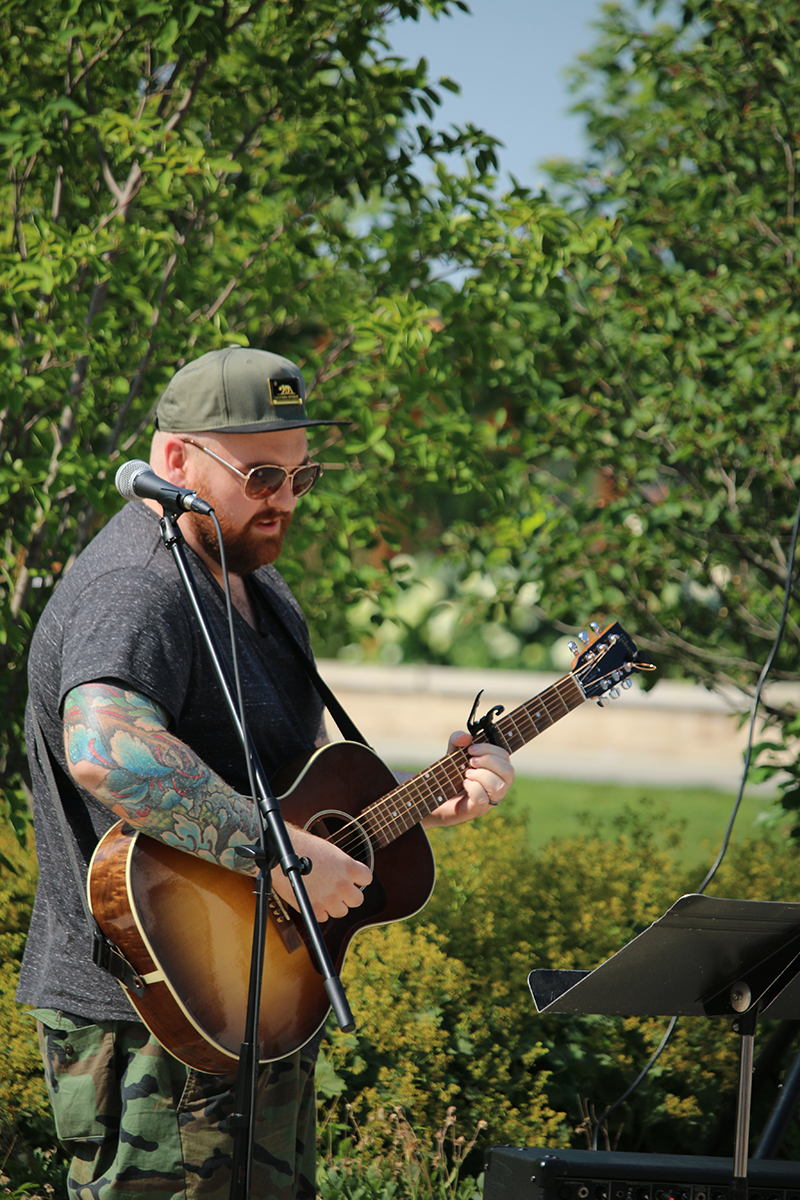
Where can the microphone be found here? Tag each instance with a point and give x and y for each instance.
(138, 481)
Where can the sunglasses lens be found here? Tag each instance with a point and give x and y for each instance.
(305, 478)
(264, 481)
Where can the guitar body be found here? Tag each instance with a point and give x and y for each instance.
(185, 925)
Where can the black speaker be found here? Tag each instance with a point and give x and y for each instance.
(514, 1173)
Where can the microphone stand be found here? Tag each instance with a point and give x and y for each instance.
(275, 848)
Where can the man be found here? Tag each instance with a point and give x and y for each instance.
(124, 694)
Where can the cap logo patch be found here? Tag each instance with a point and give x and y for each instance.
(285, 391)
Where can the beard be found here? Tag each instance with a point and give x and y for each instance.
(246, 549)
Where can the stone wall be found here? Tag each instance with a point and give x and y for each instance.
(677, 733)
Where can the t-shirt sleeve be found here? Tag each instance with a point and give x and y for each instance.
(129, 626)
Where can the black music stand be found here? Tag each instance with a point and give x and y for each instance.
(705, 957)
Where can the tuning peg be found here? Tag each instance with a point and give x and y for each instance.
(627, 683)
(595, 628)
(614, 693)
(572, 647)
(583, 635)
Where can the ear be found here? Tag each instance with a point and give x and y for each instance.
(175, 454)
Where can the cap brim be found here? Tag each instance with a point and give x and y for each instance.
(272, 426)
(256, 427)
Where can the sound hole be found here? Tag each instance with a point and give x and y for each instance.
(346, 833)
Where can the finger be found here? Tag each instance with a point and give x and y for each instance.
(495, 761)
(362, 876)
(337, 907)
(487, 750)
(487, 786)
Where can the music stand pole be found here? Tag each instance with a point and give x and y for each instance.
(745, 1026)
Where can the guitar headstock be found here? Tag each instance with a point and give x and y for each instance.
(606, 662)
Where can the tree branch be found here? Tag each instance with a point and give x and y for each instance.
(323, 372)
(87, 67)
(245, 17)
(136, 383)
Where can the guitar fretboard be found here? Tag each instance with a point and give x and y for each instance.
(394, 814)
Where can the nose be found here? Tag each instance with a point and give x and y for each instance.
(284, 498)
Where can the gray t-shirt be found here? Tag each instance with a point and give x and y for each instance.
(121, 613)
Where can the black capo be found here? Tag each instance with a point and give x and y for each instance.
(486, 725)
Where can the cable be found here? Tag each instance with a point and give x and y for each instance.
(234, 653)
(756, 700)
(604, 1117)
(726, 839)
(248, 754)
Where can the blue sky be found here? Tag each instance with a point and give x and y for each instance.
(509, 56)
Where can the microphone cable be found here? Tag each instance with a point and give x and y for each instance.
(226, 587)
(787, 595)
(251, 1083)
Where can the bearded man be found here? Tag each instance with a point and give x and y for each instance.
(126, 718)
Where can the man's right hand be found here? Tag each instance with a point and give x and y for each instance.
(335, 881)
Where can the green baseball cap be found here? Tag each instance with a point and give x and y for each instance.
(235, 390)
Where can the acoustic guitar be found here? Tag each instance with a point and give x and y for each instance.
(184, 926)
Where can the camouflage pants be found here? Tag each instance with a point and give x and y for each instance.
(140, 1123)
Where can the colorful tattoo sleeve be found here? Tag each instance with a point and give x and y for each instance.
(119, 748)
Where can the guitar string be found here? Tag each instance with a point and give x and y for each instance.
(382, 826)
(396, 823)
(391, 805)
(377, 817)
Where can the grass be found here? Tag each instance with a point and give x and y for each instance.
(559, 808)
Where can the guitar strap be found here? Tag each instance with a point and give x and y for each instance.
(104, 954)
(346, 726)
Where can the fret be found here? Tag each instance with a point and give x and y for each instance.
(532, 718)
(511, 738)
(540, 715)
(569, 693)
(394, 814)
(594, 671)
(513, 728)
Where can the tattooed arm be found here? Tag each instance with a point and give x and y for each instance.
(119, 748)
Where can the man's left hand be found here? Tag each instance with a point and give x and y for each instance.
(487, 779)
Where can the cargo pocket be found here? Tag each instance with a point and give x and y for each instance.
(81, 1076)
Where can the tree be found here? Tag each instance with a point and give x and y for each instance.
(669, 421)
(179, 176)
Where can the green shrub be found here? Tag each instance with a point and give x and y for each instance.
(27, 1132)
(445, 1016)
(447, 1034)
(386, 1158)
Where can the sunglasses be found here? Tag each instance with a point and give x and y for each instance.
(268, 480)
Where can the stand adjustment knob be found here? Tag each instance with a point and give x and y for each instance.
(741, 997)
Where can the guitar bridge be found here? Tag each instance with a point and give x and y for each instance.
(284, 923)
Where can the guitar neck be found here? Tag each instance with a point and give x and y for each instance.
(400, 810)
